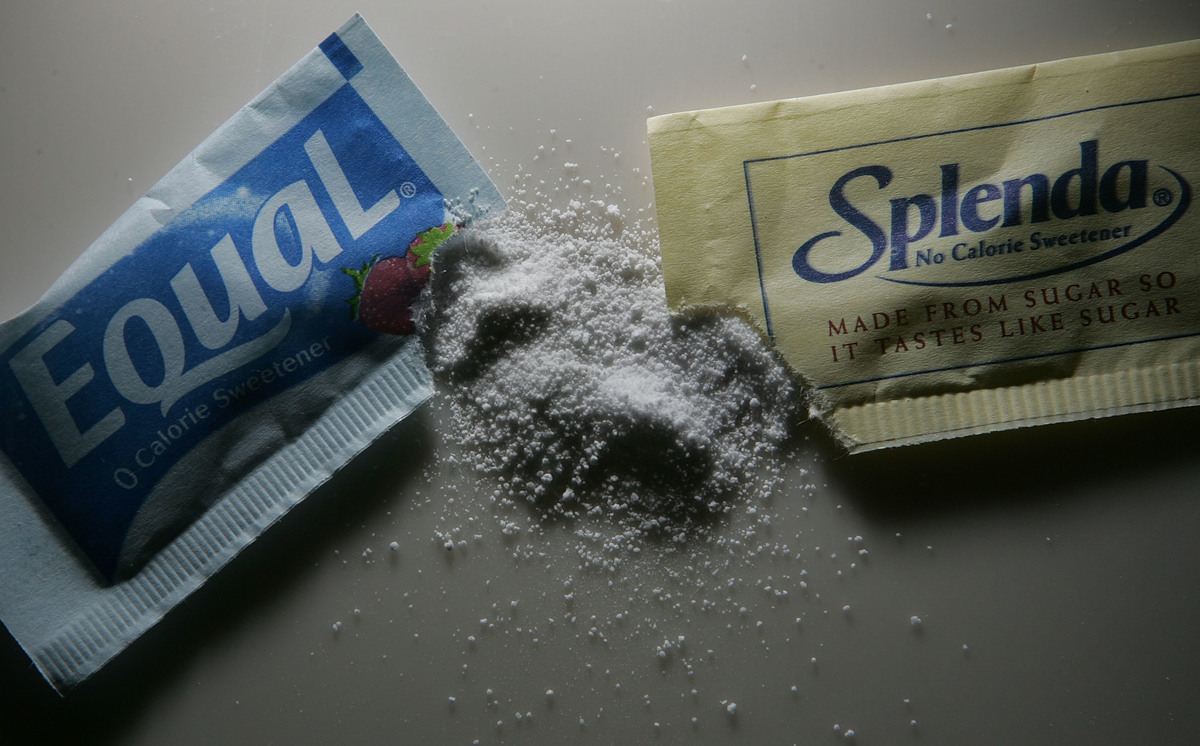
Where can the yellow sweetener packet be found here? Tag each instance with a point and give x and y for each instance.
(955, 256)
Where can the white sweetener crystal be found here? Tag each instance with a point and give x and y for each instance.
(569, 380)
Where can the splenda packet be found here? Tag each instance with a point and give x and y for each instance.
(954, 256)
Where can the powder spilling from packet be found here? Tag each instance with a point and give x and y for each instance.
(235, 338)
(571, 381)
(955, 256)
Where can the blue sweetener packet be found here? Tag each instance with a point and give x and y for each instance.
(221, 350)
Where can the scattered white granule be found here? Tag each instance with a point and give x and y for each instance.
(568, 378)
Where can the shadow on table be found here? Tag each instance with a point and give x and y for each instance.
(106, 708)
(998, 470)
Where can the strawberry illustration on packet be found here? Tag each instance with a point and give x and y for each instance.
(386, 289)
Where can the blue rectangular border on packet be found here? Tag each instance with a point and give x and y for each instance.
(168, 337)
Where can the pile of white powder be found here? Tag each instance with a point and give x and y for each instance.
(570, 382)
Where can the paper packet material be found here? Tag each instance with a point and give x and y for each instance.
(198, 370)
(955, 256)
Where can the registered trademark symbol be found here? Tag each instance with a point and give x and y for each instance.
(408, 190)
(1163, 197)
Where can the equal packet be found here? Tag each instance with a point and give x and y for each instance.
(954, 256)
(221, 350)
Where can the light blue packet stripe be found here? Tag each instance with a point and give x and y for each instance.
(200, 358)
